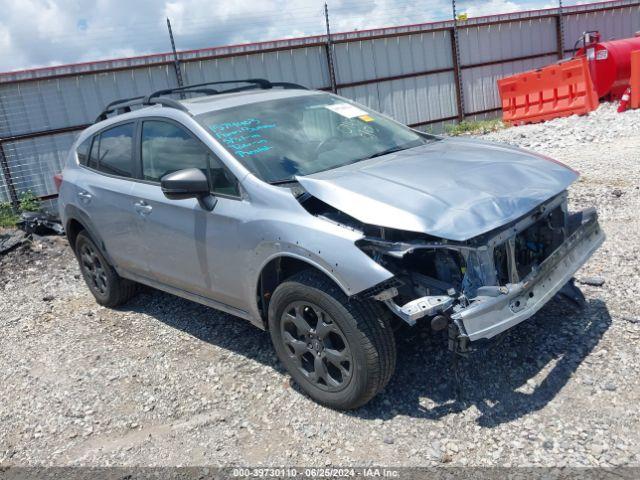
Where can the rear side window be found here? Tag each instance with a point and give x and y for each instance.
(83, 151)
(114, 151)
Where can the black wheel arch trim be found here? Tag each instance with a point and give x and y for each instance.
(73, 213)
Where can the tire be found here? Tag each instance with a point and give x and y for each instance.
(346, 356)
(108, 288)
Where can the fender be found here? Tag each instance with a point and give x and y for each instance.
(307, 259)
(303, 256)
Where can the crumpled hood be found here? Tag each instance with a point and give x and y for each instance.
(452, 188)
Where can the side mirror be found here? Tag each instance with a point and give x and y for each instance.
(188, 183)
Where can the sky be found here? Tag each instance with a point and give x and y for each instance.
(39, 33)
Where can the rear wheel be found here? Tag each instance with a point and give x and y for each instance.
(340, 351)
(108, 288)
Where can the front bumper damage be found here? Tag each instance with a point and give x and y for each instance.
(495, 310)
(494, 304)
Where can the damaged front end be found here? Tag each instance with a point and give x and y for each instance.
(481, 287)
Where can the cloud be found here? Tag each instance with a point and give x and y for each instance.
(49, 32)
(492, 7)
(382, 13)
(37, 33)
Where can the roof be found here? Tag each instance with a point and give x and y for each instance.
(206, 104)
(200, 105)
(211, 99)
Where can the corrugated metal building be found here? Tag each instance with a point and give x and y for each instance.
(417, 74)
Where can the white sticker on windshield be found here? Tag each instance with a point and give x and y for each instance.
(346, 110)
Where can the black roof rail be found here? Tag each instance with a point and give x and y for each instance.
(287, 85)
(284, 85)
(124, 105)
(253, 83)
(122, 101)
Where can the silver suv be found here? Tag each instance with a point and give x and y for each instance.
(320, 220)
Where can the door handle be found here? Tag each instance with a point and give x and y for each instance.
(85, 196)
(143, 208)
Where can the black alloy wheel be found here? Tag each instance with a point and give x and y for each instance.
(340, 350)
(108, 288)
(317, 345)
(93, 269)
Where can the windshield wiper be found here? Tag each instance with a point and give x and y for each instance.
(283, 181)
(386, 152)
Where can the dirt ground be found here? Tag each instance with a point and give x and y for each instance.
(163, 381)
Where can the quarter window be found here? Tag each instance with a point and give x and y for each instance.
(83, 151)
(93, 154)
(167, 148)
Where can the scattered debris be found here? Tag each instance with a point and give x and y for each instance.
(32, 226)
(593, 281)
(573, 293)
(40, 223)
(617, 193)
(11, 239)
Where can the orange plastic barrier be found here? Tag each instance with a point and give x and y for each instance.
(559, 90)
(635, 79)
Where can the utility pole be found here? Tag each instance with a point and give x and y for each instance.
(329, 49)
(176, 62)
(560, 41)
(457, 71)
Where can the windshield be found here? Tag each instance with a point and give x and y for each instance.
(279, 139)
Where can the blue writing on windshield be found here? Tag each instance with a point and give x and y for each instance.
(244, 137)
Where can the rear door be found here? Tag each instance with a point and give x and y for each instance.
(186, 245)
(105, 194)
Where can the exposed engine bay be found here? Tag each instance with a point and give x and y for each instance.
(504, 275)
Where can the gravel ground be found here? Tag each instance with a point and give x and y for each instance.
(163, 381)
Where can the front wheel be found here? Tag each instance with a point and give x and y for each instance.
(341, 352)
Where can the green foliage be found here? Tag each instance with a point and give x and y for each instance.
(7, 217)
(475, 127)
(29, 202)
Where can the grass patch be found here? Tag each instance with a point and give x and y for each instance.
(475, 127)
(28, 203)
(7, 217)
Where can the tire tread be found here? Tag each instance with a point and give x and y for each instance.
(121, 289)
(372, 320)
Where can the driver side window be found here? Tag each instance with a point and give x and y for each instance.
(167, 148)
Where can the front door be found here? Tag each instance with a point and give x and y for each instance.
(185, 243)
